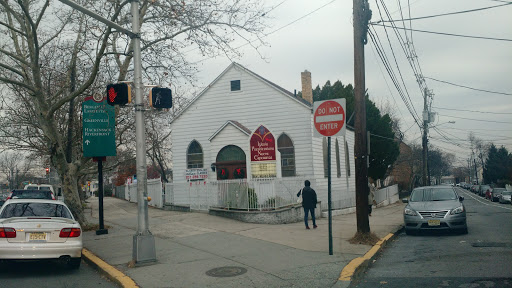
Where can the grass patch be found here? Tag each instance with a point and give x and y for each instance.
(93, 227)
(364, 238)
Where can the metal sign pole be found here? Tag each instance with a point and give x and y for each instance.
(102, 229)
(329, 192)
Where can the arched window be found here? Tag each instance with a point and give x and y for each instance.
(338, 168)
(285, 146)
(194, 155)
(231, 153)
(326, 167)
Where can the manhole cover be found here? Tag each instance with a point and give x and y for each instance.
(228, 271)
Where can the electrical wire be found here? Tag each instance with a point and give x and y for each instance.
(481, 120)
(444, 14)
(473, 111)
(482, 90)
(446, 34)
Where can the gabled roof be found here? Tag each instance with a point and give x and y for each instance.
(271, 84)
(236, 124)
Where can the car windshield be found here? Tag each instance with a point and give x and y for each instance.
(433, 194)
(506, 193)
(31, 188)
(35, 210)
(485, 187)
(31, 194)
(44, 188)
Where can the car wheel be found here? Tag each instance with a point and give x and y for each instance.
(74, 263)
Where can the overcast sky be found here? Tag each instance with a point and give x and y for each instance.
(322, 43)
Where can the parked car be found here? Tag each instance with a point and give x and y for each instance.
(31, 194)
(505, 196)
(475, 188)
(36, 229)
(495, 194)
(483, 189)
(435, 208)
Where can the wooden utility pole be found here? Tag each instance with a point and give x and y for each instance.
(424, 140)
(362, 15)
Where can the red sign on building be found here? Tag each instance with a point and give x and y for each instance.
(263, 145)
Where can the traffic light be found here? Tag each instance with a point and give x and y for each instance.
(119, 94)
(160, 98)
(47, 171)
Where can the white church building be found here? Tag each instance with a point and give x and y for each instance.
(245, 142)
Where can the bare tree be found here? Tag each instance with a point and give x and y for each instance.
(51, 55)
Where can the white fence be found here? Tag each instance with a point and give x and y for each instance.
(261, 194)
(154, 191)
(386, 196)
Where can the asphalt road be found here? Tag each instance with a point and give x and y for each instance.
(42, 274)
(482, 258)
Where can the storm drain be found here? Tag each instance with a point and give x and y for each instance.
(490, 244)
(227, 271)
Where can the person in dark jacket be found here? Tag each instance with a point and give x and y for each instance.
(308, 202)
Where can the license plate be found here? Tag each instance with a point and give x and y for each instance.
(37, 236)
(434, 222)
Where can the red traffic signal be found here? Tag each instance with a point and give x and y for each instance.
(119, 94)
(47, 170)
(160, 98)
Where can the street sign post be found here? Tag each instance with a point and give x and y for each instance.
(329, 120)
(99, 139)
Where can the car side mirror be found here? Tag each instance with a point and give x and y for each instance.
(461, 198)
(405, 200)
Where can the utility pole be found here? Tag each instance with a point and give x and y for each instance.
(424, 141)
(362, 14)
(476, 172)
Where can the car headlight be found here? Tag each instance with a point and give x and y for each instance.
(410, 212)
(457, 210)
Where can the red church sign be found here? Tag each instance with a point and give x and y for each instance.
(263, 145)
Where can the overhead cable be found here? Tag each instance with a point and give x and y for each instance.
(458, 85)
(445, 34)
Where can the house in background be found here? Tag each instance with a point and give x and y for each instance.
(245, 130)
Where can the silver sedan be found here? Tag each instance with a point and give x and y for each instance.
(33, 229)
(435, 208)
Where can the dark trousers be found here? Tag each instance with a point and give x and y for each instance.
(369, 209)
(306, 210)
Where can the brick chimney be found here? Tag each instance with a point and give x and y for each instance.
(307, 89)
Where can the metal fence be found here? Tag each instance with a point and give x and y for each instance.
(261, 194)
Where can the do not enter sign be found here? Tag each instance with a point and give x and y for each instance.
(329, 118)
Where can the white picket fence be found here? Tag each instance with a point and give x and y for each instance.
(387, 195)
(261, 194)
(154, 191)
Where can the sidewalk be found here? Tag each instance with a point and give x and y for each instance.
(188, 244)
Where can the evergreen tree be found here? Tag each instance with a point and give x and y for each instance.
(498, 166)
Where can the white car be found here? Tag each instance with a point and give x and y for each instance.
(32, 229)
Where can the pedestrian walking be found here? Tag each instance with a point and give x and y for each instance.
(308, 202)
(371, 198)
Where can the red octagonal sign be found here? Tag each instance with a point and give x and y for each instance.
(329, 117)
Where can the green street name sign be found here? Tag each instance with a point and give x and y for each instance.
(99, 138)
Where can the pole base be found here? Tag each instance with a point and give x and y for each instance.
(101, 231)
(144, 249)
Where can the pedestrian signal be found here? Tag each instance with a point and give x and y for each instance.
(160, 98)
(119, 94)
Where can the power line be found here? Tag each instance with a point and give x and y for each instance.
(474, 111)
(444, 14)
(446, 34)
(481, 120)
(482, 90)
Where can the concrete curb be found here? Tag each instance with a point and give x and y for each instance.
(360, 264)
(108, 270)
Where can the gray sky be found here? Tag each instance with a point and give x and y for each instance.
(322, 43)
